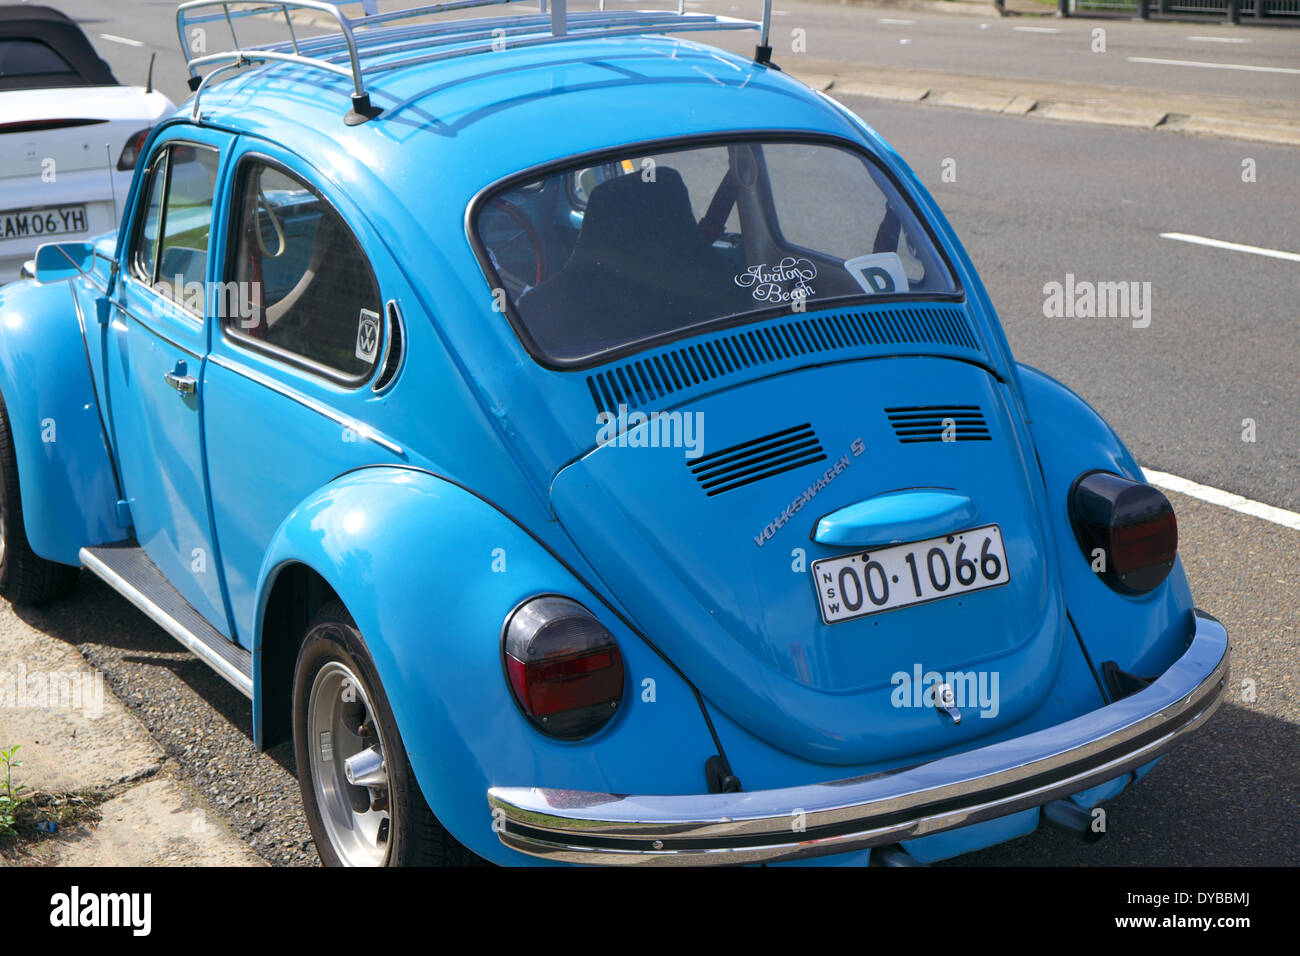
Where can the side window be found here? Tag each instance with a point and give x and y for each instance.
(311, 291)
(171, 248)
(187, 225)
(145, 257)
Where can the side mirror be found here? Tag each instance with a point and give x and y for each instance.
(56, 261)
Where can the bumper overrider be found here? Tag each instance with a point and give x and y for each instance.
(903, 804)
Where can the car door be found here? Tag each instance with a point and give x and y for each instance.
(155, 351)
(303, 379)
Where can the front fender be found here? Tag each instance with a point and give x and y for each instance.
(429, 573)
(69, 487)
(1145, 634)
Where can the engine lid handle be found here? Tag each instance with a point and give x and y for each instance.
(895, 517)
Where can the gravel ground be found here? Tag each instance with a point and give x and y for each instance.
(202, 723)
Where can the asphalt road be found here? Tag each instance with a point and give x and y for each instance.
(1031, 48)
(1033, 200)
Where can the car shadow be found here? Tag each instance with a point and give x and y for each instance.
(107, 629)
(1225, 796)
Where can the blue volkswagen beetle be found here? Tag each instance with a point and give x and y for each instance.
(590, 447)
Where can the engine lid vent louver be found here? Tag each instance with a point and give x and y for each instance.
(757, 459)
(658, 375)
(918, 423)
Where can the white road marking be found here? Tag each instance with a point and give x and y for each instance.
(895, 23)
(1219, 39)
(1037, 29)
(1232, 246)
(1214, 66)
(1225, 499)
(116, 39)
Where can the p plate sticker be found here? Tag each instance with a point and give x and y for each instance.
(878, 274)
(367, 335)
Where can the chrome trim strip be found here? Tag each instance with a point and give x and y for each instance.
(192, 643)
(395, 331)
(862, 812)
(362, 429)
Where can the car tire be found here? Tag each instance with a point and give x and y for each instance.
(338, 705)
(25, 577)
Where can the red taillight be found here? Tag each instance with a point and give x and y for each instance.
(1130, 525)
(564, 667)
(1146, 544)
(131, 151)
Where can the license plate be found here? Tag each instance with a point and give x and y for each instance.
(37, 223)
(901, 575)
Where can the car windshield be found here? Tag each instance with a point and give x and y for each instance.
(644, 247)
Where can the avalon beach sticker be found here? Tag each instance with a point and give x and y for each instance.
(786, 281)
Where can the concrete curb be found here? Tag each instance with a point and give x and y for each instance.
(1135, 111)
(76, 735)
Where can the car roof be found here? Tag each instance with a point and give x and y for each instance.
(60, 33)
(456, 126)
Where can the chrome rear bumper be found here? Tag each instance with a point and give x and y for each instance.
(794, 822)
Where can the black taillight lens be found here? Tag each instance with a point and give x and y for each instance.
(564, 668)
(131, 151)
(1126, 529)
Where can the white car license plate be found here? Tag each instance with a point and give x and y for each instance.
(904, 574)
(37, 223)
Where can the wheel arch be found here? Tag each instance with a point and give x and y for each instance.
(411, 556)
(296, 593)
(65, 469)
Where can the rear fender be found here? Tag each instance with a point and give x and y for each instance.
(429, 572)
(1143, 634)
(69, 485)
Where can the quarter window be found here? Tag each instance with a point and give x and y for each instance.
(146, 247)
(311, 293)
(171, 248)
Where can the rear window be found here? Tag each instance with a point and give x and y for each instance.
(618, 255)
(20, 57)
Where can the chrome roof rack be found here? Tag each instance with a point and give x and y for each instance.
(374, 42)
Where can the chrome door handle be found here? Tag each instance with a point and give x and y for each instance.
(179, 380)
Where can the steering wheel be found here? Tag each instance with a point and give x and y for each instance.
(264, 205)
(526, 232)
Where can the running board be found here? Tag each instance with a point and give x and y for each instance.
(128, 571)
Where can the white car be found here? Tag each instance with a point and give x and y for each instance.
(70, 134)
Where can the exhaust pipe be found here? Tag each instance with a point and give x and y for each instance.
(893, 855)
(1068, 815)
